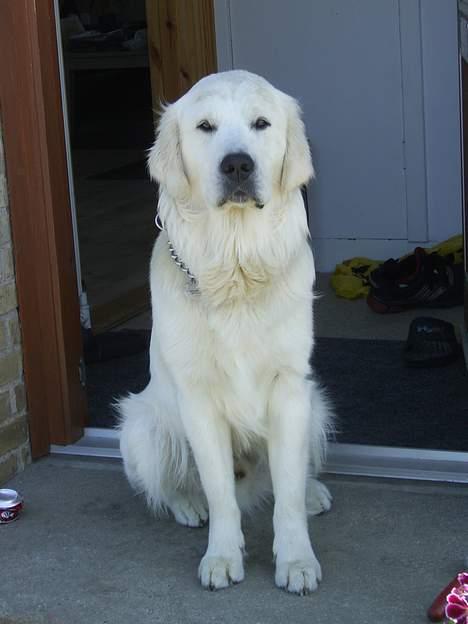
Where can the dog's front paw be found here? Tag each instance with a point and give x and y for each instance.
(217, 572)
(300, 576)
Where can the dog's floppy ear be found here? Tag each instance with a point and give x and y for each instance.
(297, 164)
(165, 162)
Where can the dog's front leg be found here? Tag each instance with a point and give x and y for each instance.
(297, 568)
(210, 439)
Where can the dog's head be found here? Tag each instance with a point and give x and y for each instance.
(233, 139)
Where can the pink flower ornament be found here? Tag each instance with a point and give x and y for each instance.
(457, 601)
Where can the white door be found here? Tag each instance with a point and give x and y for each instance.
(378, 82)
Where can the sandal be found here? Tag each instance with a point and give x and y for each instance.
(430, 342)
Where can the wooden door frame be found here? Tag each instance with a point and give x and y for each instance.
(181, 45)
(39, 205)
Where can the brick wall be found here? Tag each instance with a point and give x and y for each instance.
(14, 441)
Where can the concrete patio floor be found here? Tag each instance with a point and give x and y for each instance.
(86, 550)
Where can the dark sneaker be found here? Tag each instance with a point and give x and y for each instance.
(420, 280)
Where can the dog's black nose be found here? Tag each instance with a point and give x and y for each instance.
(237, 167)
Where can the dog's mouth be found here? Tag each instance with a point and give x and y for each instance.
(240, 197)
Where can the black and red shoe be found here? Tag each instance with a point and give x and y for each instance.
(420, 280)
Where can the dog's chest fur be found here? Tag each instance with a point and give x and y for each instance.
(244, 357)
(235, 352)
(251, 321)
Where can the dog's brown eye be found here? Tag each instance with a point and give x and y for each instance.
(206, 126)
(261, 123)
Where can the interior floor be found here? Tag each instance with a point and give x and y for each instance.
(336, 317)
(115, 222)
(386, 549)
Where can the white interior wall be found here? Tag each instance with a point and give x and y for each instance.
(442, 116)
(378, 82)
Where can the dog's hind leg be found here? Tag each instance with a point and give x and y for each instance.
(253, 481)
(318, 498)
(188, 510)
(158, 462)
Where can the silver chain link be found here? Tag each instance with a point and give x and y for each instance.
(193, 284)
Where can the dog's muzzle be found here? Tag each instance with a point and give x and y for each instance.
(238, 182)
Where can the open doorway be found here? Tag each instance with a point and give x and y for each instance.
(114, 79)
(110, 122)
(109, 115)
(399, 169)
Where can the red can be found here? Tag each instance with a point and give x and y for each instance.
(11, 504)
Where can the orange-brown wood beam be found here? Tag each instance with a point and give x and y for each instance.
(33, 133)
(182, 45)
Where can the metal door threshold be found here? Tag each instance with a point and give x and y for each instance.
(95, 442)
(347, 459)
(397, 463)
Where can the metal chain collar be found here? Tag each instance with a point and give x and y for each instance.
(192, 287)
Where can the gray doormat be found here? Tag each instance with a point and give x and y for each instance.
(378, 400)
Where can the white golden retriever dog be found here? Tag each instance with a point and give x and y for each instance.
(232, 412)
